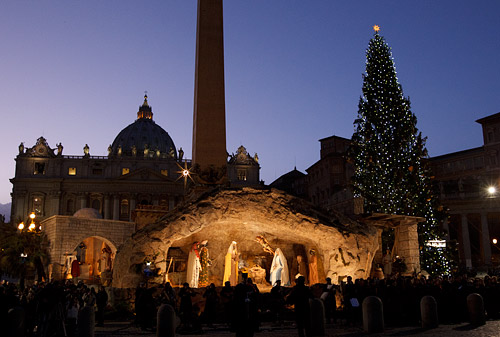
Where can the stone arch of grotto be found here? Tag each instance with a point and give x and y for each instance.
(344, 247)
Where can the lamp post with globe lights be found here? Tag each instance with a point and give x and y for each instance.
(32, 248)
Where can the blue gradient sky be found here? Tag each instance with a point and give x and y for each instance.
(75, 72)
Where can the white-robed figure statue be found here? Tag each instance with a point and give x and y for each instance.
(279, 269)
(193, 266)
(231, 265)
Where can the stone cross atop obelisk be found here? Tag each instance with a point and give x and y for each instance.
(209, 116)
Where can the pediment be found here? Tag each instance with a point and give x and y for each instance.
(145, 174)
(40, 149)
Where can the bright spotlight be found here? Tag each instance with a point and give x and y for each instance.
(495, 241)
(492, 190)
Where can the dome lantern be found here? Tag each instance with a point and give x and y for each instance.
(145, 110)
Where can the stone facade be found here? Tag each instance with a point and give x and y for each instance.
(134, 185)
(136, 171)
(462, 181)
(243, 169)
(328, 180)
(65, 233)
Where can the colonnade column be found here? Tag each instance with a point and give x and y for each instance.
(132, 206)
(485, 238)
(116, 207)
(446, 228)
(466, 242)
(171, 202)
(83, 200)
(107, 214)
(55, 197)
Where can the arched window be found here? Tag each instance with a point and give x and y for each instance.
(38, 205)
(124, 207)
(96, 204)
(70, 207)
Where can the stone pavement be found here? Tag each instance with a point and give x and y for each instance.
(492, 328)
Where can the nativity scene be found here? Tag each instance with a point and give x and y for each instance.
(267, 235)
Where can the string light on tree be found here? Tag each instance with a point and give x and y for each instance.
(389, 153)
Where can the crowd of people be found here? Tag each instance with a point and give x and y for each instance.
(52, 308)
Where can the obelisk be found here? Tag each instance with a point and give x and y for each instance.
(209, 116)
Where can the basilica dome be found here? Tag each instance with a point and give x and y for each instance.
(87, 213)
(144, 138)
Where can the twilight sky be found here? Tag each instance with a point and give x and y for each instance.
(75, 72)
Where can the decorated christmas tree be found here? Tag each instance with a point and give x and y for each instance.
(389, 155)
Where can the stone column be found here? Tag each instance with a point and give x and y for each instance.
(107, 214)
(466, 242)
(116, 207)
(446, 227)
(83, 200)
(171, 203)
(407, 245)
(132, 206)
(485, 238)
(55, 197)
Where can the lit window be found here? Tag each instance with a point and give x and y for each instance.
(164, 172)
(242, 175)
(37, 205)
(125, 170)
(72, 171)
(39, 168)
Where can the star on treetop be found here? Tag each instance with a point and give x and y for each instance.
(376, 28)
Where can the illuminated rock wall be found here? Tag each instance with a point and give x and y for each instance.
(344, 247)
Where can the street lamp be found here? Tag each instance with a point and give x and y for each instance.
(492, 191)
(495, 241)
(32, 226)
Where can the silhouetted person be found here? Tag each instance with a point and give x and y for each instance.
(242, 320)
(147, 309)
(329, 300)
(253, 298)
(278, 302)
(168, 296)
(299, 297)
(210, 311)
(139, 310)
(351, 301)
(101, 302)
(186, 305)
(226, 298)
